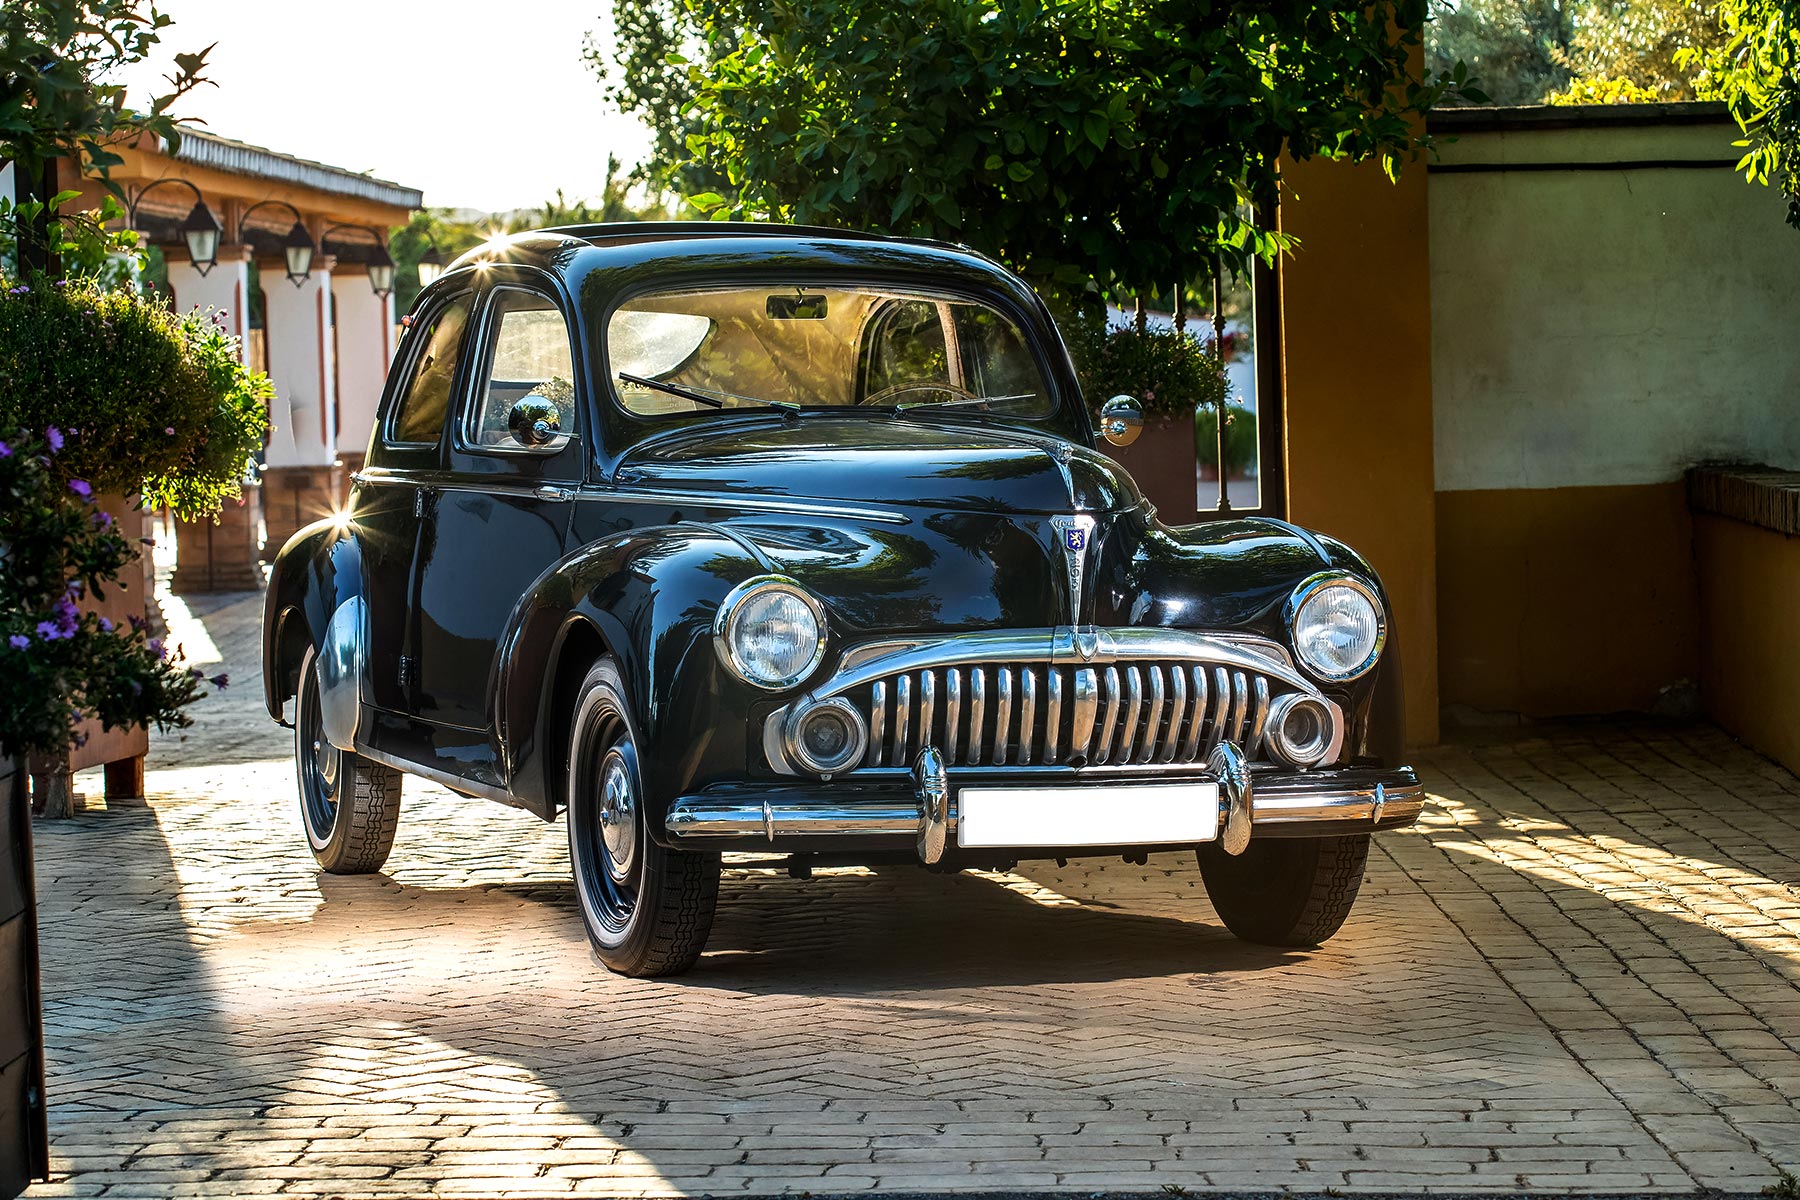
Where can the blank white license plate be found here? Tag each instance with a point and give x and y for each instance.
(1116, 815)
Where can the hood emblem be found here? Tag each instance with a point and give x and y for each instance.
(1076, 532)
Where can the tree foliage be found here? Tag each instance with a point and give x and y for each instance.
(1756, 72)
(150, 401)
(57, 99)
(1118, 140)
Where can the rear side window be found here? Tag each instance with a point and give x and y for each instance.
(419, 419)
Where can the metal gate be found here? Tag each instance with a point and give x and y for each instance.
(24, 1144)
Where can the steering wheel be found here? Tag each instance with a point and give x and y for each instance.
(900, 389)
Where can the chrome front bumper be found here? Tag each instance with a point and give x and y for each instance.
(893, 812)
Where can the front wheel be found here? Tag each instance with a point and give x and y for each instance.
(349, 805)
(1285, 891)
(647, 909)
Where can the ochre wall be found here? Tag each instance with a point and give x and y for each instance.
(1553, 601)
(1750, 677)
(1356, 378)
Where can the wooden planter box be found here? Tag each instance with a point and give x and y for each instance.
(24, 1151)
(1162, 460)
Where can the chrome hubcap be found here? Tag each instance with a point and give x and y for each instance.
(618, 816)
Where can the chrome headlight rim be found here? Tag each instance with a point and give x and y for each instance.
(1311, 586)
(731, 608)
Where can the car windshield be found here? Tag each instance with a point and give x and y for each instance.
(819, 347)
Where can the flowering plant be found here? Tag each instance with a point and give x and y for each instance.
(1168, 371)
(164, 406)
(58, 664)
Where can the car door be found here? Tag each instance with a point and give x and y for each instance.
(502, 515)
(397, 488)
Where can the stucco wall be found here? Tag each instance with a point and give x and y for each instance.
(1750, 680)
(1610, 304)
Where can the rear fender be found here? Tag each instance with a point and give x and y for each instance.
(315, 600)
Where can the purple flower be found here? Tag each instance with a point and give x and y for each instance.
(54, 436)
(82, 488)
(49, 632)
(75, 587)
(169, 430)
(220, 681)
(18, 641)
(148, 541)
(68, 617)
(155, 647)
(138, 623)
(5, 450)
(106, 626)
(80, 740)
(103, 520)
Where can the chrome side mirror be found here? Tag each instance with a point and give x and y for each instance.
(534, 421)
(1121, 420)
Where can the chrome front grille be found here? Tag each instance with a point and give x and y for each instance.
(1113, 713)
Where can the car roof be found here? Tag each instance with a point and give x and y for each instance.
(555, 248)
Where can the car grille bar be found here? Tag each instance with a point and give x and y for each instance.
(1024, 714)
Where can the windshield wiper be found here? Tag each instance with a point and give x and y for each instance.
(702, 396)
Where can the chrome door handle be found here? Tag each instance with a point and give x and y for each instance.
(551, 492)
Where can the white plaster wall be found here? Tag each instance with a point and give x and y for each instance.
(365, 324)
(302, 431)
(1606, 327)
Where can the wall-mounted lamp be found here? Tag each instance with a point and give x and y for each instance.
(200, 230)
(381, 263)
(297, 247)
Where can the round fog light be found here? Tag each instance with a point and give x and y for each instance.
(828, 737)
(1300, 730)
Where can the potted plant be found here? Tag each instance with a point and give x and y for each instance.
(1173, 375)
(62, 665)
(150, 407)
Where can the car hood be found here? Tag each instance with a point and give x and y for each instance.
(946, 465)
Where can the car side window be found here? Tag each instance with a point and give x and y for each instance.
(529, 355)
(419, 417)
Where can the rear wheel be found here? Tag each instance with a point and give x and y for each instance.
(349, 805)
(647, 909)
(1285, 891)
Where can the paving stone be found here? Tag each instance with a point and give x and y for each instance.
(1580, 972)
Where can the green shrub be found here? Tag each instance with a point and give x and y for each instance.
(150, 400)
(1169, 372)
(1240, 437)
(58, 664)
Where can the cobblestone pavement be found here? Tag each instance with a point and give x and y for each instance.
(1578, 973)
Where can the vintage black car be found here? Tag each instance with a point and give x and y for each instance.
(735, 537)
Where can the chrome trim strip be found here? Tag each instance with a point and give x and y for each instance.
(1154, 718)
(952, 711)
(1177, 712)
(1087, 697)
(1191, 750)
(1240, 706)
(1259, 718)
(1027, 713)
(977, 713)
(877, 721)
(1053, 716)
(927, 706)
(902, 714)
(1221, 707)
(1003, 717)
(734, 502)
(1109, 716)
(1280, 804)
(1054, 645)
(1134, 706)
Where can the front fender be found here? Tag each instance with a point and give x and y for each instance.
(647, 597)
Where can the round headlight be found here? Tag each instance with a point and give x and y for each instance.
(770, 632)
(1337, 626)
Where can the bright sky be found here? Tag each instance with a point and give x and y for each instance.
(480, 105)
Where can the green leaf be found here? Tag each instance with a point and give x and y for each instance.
(1096, 126)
